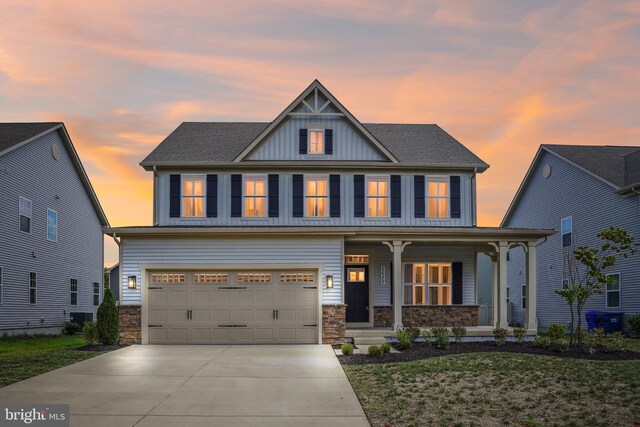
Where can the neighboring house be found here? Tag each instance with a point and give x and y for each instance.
(579, 190)
(51, 224)
(114, 281)
(293, 230)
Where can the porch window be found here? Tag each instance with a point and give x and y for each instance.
(377, 196)
(255, 196)
(414, 284)
(437, 198)
(316, 196)
(193, 195)
(439, 284)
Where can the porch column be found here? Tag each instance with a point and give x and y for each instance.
(502, 283)
(494, 291)
(397, 284)
(531, 323)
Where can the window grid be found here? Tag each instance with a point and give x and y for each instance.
(52, 225)
(168, 277)
(96, 294)
(33, 288)
(193, 192)
(437, 198)
(377, 196)
(316, 196)
(356, 259)
(255, 196)
(253, 277)
(73, 287)
(297, 278)
(613, 291)
(439, 284)
(25, 214)
(211, 277)
(316, 141)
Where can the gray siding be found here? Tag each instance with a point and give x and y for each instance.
(244, 253)
(346, 219)
(348, 144)
(114, 282)
(594, 206)
(30, 171)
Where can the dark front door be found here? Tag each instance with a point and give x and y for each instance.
(356, 293)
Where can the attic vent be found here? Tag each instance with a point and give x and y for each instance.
(546, 171)
(55, 151)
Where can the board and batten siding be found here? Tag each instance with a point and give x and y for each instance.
(243, 253)
(594, 206)
(31, 171)
(348, 144)
(346, 218)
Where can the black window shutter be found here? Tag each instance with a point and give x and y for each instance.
(358, 196)
(454, 192)
(298, 196)
(456, 283)
(212, 196)
(274, 195)
(328, 141)
(303, 141)
(419, 195)
(174, 196)
(391, 281)
(236, 196)
(396, 196)
(334, 196)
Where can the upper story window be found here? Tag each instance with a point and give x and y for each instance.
(25, 215)
(437, 198)
(566, 230)
(255, 196)
(73, 288)
(193, 193)
(316, 196)
(377, 196)
(52, 225)
(316, 141)
(33, 288)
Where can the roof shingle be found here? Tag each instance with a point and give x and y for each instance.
(14, 133)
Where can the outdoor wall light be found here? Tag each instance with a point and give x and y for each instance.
(133, 282)
(329, 281)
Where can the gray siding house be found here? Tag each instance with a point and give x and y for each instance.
(51, 250)
(310, 228)
(579, 191)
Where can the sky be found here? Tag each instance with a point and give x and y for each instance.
(501, 77)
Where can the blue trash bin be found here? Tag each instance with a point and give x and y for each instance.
(591, 319)
(610, 321)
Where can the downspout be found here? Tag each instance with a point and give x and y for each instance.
(474, 206)
(155, 192)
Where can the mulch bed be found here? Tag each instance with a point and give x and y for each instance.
(419, 351)
(99, 347)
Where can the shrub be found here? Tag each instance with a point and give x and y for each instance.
(500, 336)
(615, 342)
(71, 328)
(386, 348)
(90, 332)
(589, 343)
(414, 333)
(542, 342)
(108, 323)
(442, 337)
(347, 349)
(599, 335)
(562, 344)
(519, 334)
(427, 335)
(634, 323)
(557, 331)
(459, 332)
(405, 338)
(375, 351)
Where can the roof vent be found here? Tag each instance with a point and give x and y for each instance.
(546, 171)
(55, 151)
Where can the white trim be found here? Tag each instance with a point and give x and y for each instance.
(56, 225)
(203, 197)
(366, 196)
(619, 291)
(439, 178)
(324, 177)
(20, 199)
(321, 153)
(371, 284)
(266, 195)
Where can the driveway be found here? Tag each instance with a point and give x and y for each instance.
(284, 385)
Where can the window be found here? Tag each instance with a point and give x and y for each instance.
(25, 215)
(1, 286)
(193, 195)
(414, 284)
(52, 225)
(566, 230)
(297, 278)
(316, 142)
(439, 284)
(356, 259)
(74, 291)
(316, 196)
(33, 288)
(253, 277)
(211, 277)
(437, 198)
(96, 294)
(524, 297)
(255, 196)
(356, 275)
(168, 278)
(377, 196)
(565, 283)
(508, 294)
(613, 291)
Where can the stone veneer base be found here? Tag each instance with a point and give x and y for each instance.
(130, 324)
(333, 323)
(428, 315)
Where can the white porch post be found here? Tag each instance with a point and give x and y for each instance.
(531, 322)
(502, 282)
(495, 291)
(397, 283)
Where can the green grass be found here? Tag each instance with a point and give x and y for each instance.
(26, 356)
(499, 389)
(634, 344)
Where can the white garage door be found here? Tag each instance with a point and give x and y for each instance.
(211, 307)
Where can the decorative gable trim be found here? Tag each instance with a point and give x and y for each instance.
(316, 88)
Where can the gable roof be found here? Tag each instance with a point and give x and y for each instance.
(15, 135)
(616, 166)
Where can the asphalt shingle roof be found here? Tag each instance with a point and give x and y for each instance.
(14, 133)
(620, 165)
(223, 141)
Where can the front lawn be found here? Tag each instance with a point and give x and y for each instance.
(499, 389)
(26, 356)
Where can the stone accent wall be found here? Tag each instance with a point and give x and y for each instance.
(333, 323)
(130, 324)
(383, 317)
(428, 315)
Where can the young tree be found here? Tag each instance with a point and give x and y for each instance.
(586, 270)
(108, 321)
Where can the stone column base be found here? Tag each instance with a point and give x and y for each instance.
(130, 324)
(428, 315)
(333, 323)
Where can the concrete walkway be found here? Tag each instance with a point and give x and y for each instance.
(302, 385)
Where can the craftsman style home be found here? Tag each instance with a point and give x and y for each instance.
(311, 228)
(608, 194)
(51, 239)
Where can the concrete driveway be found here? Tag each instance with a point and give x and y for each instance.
(302, 385)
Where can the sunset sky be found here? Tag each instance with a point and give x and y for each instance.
(501, 77)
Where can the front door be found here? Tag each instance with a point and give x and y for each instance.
(357, 293)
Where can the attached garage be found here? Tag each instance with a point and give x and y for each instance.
(232, 307)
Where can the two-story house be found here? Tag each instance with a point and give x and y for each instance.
(578, 190)
(293, 230)
(51, 240)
